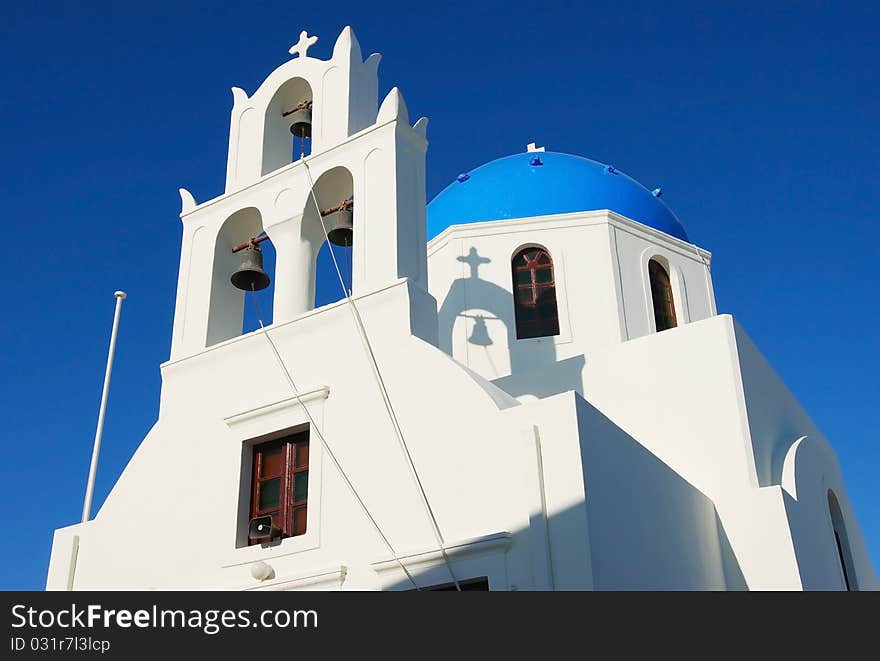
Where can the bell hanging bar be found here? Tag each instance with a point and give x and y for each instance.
(252, 241)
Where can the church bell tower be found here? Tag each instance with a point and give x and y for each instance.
(310, 156)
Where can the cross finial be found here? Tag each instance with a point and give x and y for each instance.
(302, 46)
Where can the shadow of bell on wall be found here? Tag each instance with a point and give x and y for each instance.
(480, 333)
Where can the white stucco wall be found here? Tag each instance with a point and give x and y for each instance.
(602, 288)
(682, 395)
(174, 520)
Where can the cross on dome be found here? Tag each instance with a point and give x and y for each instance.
(302, 46)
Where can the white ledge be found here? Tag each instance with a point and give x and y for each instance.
(496, 542)
(275, 407)
(332, 575)
(275, 328)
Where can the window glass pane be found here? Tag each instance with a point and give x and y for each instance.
(530, 255)
(299, 520)
(661, 293)
(544, 258)
(544, 275)
(524, 295)
(302, 454)
(526, 314)
(546, 294)
(270, 494)
(524, 277)
(272, 462)
(526, 330)
(301, 486)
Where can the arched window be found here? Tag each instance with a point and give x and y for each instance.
(661, 295)
(841, 542)
(534, 291)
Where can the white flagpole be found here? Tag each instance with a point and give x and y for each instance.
(93, 469)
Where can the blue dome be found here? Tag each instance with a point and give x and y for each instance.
(543, 183)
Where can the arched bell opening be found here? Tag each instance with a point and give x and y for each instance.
(287, 131)
(330, 228)
(243, 260)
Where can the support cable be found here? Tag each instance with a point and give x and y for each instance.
(324, 444)
(359, 322)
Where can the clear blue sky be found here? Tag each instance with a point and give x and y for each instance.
(759, 123)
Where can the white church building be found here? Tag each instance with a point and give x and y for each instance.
(528, 388)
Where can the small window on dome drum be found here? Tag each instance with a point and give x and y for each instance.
(534, 294)
(661, 295)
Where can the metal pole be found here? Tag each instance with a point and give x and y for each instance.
(93, 468)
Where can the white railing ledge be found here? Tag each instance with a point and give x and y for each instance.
(331, 576)
(237, 419)
(497, 542)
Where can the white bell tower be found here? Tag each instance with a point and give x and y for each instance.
(372, 157)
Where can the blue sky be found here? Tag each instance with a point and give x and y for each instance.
(760, 124)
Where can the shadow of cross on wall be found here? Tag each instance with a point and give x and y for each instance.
(526, 356)
(473, 260)
(480, 334)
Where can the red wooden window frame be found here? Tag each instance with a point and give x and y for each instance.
(661, 296)
(534, 294)
(282, 467)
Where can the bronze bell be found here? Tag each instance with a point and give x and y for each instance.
(301, 122)
(250, 276)
(339, 227)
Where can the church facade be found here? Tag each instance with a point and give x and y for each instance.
(525, 386)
